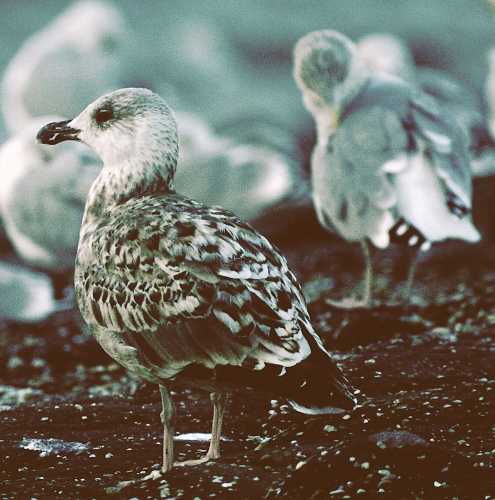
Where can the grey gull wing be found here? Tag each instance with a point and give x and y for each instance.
(422, 120)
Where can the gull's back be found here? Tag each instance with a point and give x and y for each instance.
(394, 152)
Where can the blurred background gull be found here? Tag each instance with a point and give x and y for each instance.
(42, 199)
(226, 67)
(80, 53)
(224, 60)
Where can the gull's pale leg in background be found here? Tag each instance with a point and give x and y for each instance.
(366, 285)
(412, 264)
(368, 275)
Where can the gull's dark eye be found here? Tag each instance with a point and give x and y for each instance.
(102, 115)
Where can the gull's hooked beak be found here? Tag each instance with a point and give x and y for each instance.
(56, 132)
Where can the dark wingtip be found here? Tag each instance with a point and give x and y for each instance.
(56, 132)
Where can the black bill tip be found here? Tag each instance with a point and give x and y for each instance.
(56, 132)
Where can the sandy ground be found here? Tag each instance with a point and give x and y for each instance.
(426, 431)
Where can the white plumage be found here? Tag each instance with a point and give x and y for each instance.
(387, 53)
(489, 89)
(42, 196)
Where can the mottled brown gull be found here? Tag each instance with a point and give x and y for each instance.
(43, 190)
(390, 162)
(181, 293)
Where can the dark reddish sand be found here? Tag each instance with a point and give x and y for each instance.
(428, 370)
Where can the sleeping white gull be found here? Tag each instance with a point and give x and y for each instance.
(77, 57)
(244, 178)
(389, 162)
(25, 296)
(42, 197)
(181, 293)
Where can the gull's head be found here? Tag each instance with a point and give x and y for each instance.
(328, 70)
(131, 129)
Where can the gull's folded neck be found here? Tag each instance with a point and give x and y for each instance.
(117, 184)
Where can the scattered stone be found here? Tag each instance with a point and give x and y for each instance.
(51, 445)
(397, 439)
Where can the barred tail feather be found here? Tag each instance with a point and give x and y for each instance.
(319, 387)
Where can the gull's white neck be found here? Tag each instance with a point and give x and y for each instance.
(326, 124)
(327, 118)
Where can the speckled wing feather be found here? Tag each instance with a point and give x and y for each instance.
(194, 279)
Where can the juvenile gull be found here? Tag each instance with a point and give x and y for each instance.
(74, 59)
(42, 197)
(389, 163)
(181, 293)
(43, 190)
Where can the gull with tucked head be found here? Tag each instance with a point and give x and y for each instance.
(181, 293)
(328, 74)
(390, 163)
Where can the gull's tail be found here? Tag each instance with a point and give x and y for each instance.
(319, 386)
